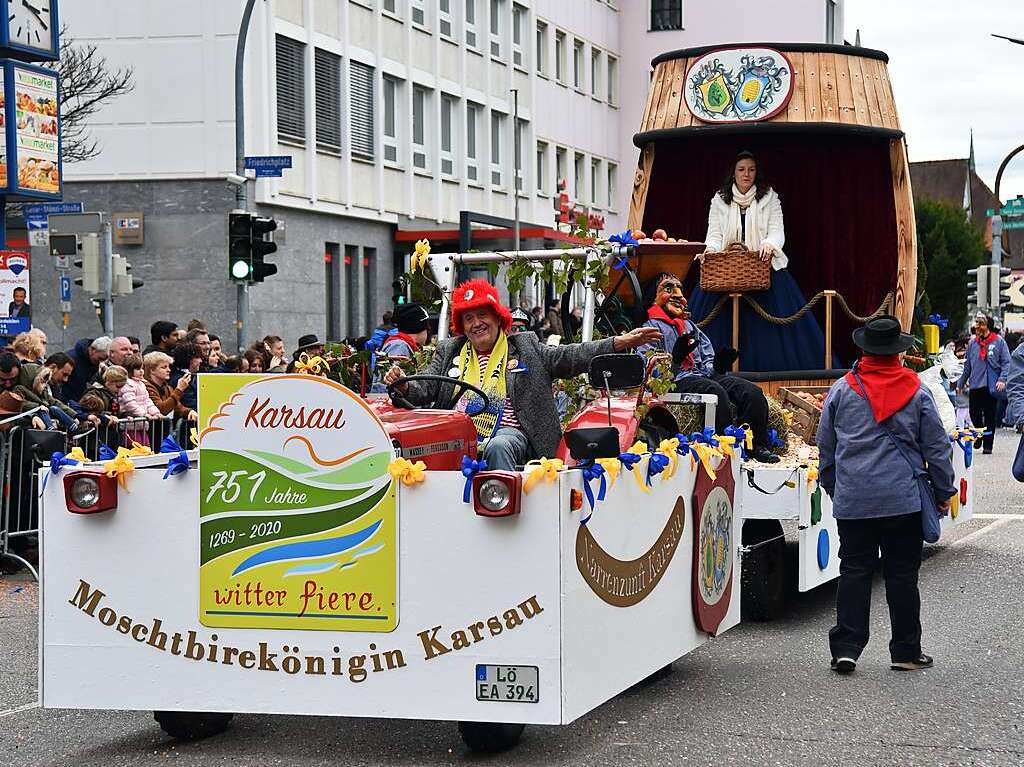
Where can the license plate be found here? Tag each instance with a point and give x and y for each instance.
(507, 684)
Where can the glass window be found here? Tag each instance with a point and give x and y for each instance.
(496, 10)
(613, 85)
(497, 128)
(419, 13)
(541, 48)
(291, 90)
(612, 173)
(392, 99)
(595, 181)
(448, 107)
(666, 15)
(520, 165)
(472, 123)
(560, 56)
(444, 18)
(542, 164)
(579, 177)
(518, 20)
(595, 72)
(577, 64)
(560, 167)
(471, 23)
(419, 129)
(391, 6)
(830, 21)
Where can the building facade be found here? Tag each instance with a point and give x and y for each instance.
(397, 114)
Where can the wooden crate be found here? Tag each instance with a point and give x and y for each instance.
(805, 416)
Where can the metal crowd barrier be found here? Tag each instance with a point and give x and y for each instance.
(24, 450)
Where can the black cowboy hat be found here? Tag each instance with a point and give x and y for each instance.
(883, 335)
(306, 342)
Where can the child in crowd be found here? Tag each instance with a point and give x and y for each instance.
(134, 401)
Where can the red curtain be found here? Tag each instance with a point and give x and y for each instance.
(837, 199)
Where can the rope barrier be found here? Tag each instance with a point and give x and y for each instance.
(884, 308)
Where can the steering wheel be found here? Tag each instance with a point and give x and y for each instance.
(399, 401)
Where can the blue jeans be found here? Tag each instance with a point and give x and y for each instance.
(66, 421)
(507, 449)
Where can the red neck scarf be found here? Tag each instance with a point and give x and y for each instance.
(401, 337)
(657, 313)
(890, 385)
(984, 342)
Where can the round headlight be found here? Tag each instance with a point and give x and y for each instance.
(494, 495)
(85, 492)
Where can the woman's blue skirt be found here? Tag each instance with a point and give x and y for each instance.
(765, 346)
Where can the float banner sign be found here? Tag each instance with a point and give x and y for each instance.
(32, 132)
(297, 512)
(14, 269)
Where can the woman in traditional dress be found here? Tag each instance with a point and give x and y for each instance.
(747, 210)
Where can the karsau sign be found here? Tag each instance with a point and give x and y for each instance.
(297, 512)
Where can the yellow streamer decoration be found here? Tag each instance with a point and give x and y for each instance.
(407, 472)
(725, 445)
(750, 436)
(316, 365)
(138, 449)
(612, 467)
(706, 453)
(668, 448)
(546, 469)
(419, 258)
(639, 448)
(193, 435)
(120, 467)
(77, 454)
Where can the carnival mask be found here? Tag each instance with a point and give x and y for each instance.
(670, 297)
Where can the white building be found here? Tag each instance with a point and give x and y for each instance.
(398, 114)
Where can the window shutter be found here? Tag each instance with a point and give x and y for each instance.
(291, 90)
(361, 96)
(328, 101)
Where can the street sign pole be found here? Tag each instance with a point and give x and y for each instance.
(241, 197)
(107, 279)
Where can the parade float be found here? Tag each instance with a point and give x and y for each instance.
(324, 551)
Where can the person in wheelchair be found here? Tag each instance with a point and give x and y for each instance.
(697, 370)
(502, 381)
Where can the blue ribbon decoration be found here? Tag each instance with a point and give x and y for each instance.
(179, 464)
(625, 239)
(106, 454)
(741, 438)
(684, 448)
(658, 463)
(469, 469)
(629, 460)
(968, 449)
(706, 437)
(592, 470)
(773, 438)
(57, 462)
(938, 319)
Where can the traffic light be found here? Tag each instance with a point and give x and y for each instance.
(248, 246)
(261, 247)
(978, 287)
(1000, 284)
(89, 263)
(239, 246)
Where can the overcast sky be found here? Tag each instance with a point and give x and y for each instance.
(950, 75)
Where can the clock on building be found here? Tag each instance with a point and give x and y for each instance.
(28, 30)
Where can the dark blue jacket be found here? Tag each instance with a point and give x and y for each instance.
(82, 375)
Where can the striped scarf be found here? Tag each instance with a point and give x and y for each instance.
(491, 379)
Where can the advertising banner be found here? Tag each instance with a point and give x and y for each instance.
(15, 309)
(297, 511)
(36, 130)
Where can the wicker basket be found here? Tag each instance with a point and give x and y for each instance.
(734, 270)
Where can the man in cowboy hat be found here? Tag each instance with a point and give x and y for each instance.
(875, 496)
(309, 344)
(515, 371)
(693, 360)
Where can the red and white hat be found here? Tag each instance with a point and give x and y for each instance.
(474, 294)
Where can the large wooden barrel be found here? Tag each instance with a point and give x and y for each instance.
(696, 94)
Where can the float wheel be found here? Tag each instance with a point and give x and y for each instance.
(192, 725)
(490, 737)
(764, 570)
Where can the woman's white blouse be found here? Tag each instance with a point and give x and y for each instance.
(719, 234)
